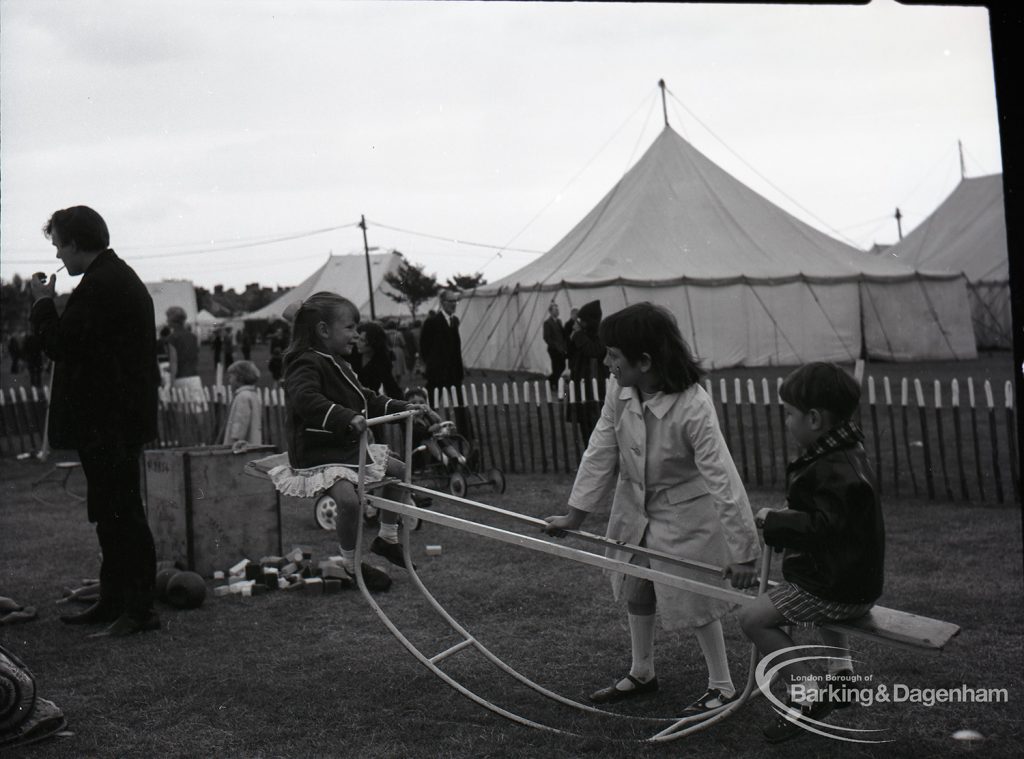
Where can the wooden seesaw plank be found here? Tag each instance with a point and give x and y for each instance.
(899, 629)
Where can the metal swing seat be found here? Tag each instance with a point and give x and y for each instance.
(677, 727)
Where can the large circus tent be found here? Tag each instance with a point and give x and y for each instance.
(750, 284)
(967, 233)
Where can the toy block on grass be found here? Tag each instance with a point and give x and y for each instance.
(315, 584)
(273, 561)
(253, 572)
(289, 569)
(295, 556)
(222, 590)
(239, 568)
(271, 577)
(333, 585)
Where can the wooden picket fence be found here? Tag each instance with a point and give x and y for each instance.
(943, 442)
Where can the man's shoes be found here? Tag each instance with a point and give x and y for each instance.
(129, 624)
(613, 693)
(100, 613)
(391, 551)
(783, 729)
(711, 701)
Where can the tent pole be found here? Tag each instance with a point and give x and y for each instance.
(369, 278)
(664, 107)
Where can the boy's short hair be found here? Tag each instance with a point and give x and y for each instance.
(822, 386)
(246, 372)
(420, 391)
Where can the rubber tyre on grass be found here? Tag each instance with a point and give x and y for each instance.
(457, 485)
(325, 512)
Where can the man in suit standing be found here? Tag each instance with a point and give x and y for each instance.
(441, 351)
(104, 405)
(555, 340)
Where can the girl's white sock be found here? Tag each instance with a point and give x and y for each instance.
(388, 532)
(641, 638)
(712, 644)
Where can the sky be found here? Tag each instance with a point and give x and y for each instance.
(238, 141)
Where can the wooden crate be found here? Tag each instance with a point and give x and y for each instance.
(205, 513)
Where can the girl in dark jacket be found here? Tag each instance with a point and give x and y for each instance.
(327, 409)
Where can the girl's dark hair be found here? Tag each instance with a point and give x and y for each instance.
(647, 328)
(318, 307)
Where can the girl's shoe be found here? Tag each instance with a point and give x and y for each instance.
(613, 693)
(709, 702)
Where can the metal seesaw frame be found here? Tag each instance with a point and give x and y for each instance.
(678, 727)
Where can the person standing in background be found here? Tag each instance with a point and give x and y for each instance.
(245, 342)
(588, 368)
(441, 351)
(554, 339)
(104, 405)
(228, 348)
(183, 358)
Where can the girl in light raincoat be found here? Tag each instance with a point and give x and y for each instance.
(676, 490)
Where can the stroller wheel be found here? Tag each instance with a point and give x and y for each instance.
(497, 479)
(325, 512)
(457, 484)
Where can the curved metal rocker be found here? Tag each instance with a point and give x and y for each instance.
(678, 727)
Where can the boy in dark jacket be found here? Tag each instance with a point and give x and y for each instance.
(832, 533)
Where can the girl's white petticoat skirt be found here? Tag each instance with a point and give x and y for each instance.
(314, 480)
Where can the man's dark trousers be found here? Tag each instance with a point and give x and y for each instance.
(114, 499)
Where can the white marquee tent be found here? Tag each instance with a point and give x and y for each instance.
(173, 292)
(346, 276)
(750, 284)
(967, 233)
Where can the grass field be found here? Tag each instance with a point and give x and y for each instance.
(301, 675)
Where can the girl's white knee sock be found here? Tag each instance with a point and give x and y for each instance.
(641, 637)
(712, 644)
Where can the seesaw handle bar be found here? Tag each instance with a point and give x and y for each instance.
(588, 537)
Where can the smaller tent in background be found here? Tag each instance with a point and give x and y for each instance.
(346, 276)
(967, 233)
(173, 292)
(204, 325)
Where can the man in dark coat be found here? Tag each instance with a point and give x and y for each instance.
(104, 405)
(556, 343)
(587, 367)
(441, 351)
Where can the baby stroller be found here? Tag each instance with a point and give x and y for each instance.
(443, 459)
